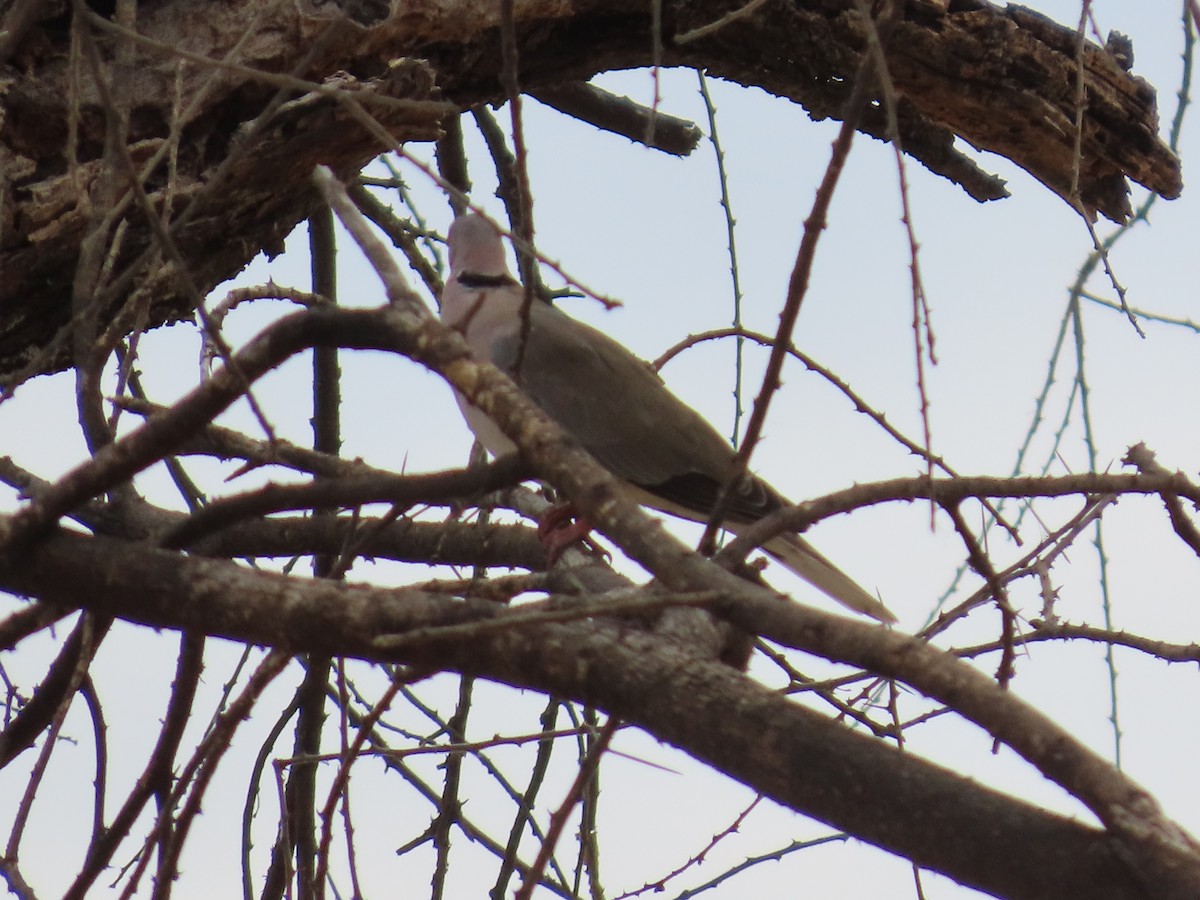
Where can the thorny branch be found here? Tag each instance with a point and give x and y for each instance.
(621, 661)
(392, 329)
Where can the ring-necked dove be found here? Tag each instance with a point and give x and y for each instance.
(614, 404)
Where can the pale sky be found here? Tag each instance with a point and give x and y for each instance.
(647, 229)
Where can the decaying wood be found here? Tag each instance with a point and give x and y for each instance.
(233, 147)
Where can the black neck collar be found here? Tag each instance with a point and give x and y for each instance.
(476, 280)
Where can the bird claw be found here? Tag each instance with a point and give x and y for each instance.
(561, 527)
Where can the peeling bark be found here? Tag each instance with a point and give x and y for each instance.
(245, 138)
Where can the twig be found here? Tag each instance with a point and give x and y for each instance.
(621, 115)
(731, 245)
(860, 405)
(199, 770)
(797, 287)
(558, 820)
(698, 858)
(980, 562)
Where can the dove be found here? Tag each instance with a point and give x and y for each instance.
(666, 454)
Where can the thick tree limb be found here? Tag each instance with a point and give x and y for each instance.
(1002, 79)
(245, 137)
(792, 754)
(1158, 844)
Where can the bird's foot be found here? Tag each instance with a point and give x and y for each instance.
(561, 527)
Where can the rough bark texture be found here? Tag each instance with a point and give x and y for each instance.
(610, 656)
(224, 154)
(799, 758)
(1003, 79)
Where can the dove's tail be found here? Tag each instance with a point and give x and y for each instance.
(799, 556)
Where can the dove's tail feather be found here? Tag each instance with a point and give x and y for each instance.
(799, 556)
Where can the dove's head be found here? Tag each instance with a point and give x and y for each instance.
(475, 247)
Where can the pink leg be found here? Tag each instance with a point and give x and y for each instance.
(561, 527)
